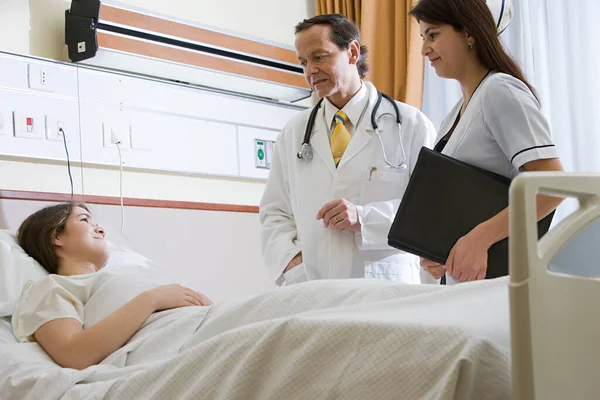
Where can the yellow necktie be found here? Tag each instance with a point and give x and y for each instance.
(340, 137)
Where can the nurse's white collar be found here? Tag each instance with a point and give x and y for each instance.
(353, 108)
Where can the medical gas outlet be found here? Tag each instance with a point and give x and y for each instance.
(263, 151)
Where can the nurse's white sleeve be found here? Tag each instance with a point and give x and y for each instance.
(279, 233)
(513, 117)
(376, 218)
(42, 302)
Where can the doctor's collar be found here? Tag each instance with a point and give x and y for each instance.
(353, 107)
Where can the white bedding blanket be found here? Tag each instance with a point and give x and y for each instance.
(352, 339)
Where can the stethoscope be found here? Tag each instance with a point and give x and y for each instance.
(306, 152)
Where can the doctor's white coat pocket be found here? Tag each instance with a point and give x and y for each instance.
(383, 186)
(391, 271)
(296, 275)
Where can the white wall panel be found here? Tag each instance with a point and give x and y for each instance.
(40, 107)
(15, 73)
(175, 144)
(20, 99)
(163, 126)
(147, 94)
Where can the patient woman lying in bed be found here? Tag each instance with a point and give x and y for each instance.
(67, 242)
(319, 339)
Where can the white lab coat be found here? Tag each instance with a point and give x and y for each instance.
(297, 189)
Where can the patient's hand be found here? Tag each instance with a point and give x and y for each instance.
(174, 296)
(434, 269)
(468, 258)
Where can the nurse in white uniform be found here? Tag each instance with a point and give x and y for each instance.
(497, 125)
(327, 211)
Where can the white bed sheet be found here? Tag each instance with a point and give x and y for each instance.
(352, 339)
(6, 333)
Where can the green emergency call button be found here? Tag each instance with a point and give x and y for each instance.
(261, 154)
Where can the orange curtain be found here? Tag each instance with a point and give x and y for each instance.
(393, 41)
(349, 8)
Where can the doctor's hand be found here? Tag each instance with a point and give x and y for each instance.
(340, 214)
(434, 269)
(297, 260)
(468, 258)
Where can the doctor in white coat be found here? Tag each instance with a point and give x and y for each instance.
(328, 216)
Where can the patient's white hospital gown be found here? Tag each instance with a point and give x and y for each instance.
(88, 298)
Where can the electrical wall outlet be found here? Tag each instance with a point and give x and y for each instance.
(116, 133)
(40, 77)
(53, 129)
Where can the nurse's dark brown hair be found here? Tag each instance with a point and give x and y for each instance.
(474, 17)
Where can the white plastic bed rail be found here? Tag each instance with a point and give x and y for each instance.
(555, 318)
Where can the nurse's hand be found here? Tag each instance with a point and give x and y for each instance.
(434, 269)
(468, 258)
(340, 214)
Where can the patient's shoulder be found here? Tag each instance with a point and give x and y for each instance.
(43, 301)
(57, 290)
(74, 284)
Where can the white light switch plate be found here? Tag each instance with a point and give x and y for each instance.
(6, 122)
(41, 77)
(141, 139)
(21, 128)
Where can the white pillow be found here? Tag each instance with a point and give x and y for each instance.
(17, 268)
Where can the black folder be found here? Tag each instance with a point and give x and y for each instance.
(445, 199)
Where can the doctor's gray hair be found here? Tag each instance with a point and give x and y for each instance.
(343, 31)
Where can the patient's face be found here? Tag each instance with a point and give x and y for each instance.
(82, 239)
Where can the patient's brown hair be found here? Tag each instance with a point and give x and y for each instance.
(36, 233)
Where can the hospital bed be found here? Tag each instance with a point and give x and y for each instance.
(405, 341)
